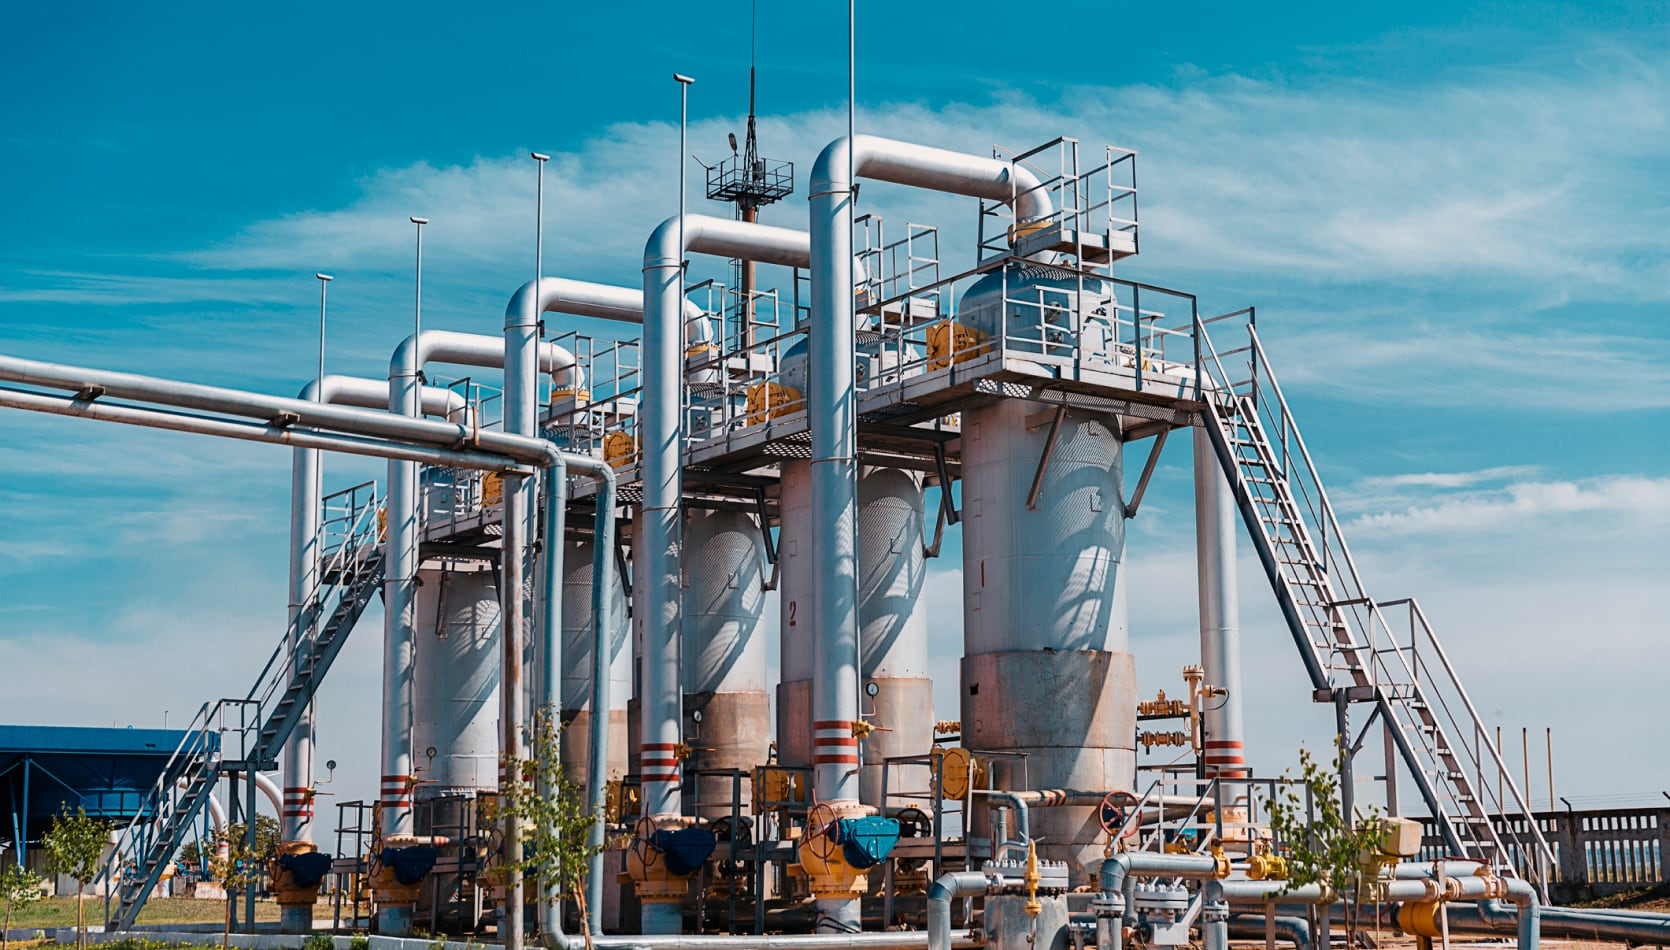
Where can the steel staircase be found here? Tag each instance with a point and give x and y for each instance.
(1355, 648)
(243, 735)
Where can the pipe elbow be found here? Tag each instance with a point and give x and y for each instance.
(829, 170)
(523, 308)
(662, 249)
(405, 360)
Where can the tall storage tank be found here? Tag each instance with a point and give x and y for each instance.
(577, 642)
(893, 632)
(795, 591)
(1046, 670)
(724, 651)
(455, 682)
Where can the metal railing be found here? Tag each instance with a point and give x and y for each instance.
(1346, 637)
(234, 731)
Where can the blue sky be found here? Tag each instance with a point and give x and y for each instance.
(1454, 219)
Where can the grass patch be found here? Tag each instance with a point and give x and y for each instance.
(60, 912)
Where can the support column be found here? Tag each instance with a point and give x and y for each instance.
(1220, 623)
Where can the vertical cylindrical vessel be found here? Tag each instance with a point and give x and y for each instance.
(796, 590)
(893, 632)
(724, 663)
(1046, 670)
(455, 702)
(578, 639)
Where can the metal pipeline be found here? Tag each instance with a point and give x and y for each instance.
(173, 421)
(605, 302)
(831, 405)
(1467, 888)
(1039, 798)
(603, 568)
(660, 430)
(401, 545)
(941, 893)
(1295, 930)
(279, 411)
(1220, 624)
(1492, 916)
(296, 817)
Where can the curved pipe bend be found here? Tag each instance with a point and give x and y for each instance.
(605, 302)
(934, 169)
(941, 893)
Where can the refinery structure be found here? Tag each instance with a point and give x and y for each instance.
(585, 529)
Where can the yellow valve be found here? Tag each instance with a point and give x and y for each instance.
(1161, 706)
(951, 342)
(1222, 861)
(1419, 918)
(1265, 865)
(619, 449)
(947, 726)
(682, 751)
(862, 728)
(1152, 739)
(770, 400)
(1032, 877)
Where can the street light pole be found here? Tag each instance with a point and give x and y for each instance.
(417, 304)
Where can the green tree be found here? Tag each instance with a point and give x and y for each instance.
(19, 887)
(267, 840)
(550, 809)
(75, 847)
(1323, 845)
(235, 870)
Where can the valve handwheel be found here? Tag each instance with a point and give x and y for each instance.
(643, 845)
(820, 831)
(1115, 811)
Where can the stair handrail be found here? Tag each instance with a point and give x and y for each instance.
(1544, 851)
(362, 525)
(1322, 510)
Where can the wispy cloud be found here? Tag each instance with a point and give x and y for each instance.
(1643, 501)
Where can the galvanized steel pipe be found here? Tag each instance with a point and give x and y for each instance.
(661, 432)
(947, 888)
(296, 817)
(831, 407)
(1220, 625)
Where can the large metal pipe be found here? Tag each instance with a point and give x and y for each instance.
(304, 614)
(660, 429)
(1575, 923)
(401, 561)
(1220, 625)
(174, 421)
(280, 411)
(831, 406)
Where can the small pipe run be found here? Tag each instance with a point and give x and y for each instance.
(296, 818)
(1020, 801)
(1493, 916)
(831, 407)
(1294, 930)
(660, 430)
(550, 689)
(946, 889)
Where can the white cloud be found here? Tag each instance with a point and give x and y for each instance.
(1639, 500)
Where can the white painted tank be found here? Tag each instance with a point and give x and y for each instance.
(724, 672)
(577, 642)
(893, 630)
(455, 687)
(1046, 670)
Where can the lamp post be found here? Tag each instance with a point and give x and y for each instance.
(417, 303)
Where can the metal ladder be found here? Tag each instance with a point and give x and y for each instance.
(1350, 645)
(241, 735)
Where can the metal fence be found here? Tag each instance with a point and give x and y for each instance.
(1597, 852)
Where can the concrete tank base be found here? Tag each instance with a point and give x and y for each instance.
(576, 745)
(734, 733)
(1073, 713)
